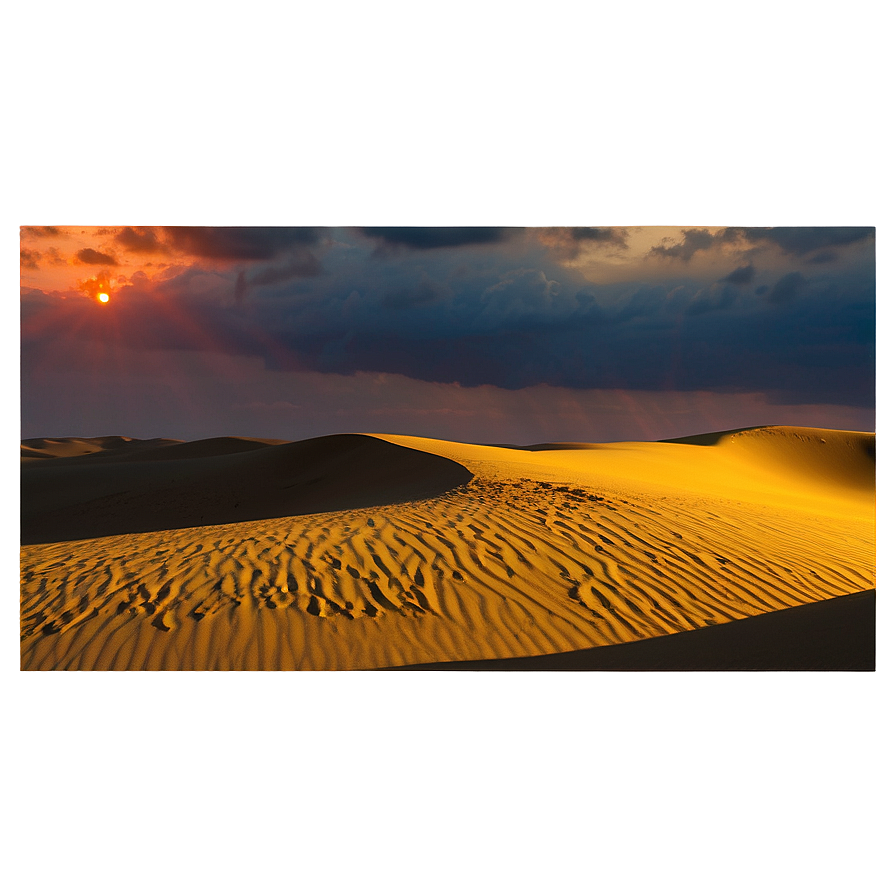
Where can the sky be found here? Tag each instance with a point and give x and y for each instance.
(489, 334)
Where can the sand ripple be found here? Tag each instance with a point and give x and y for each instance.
(503, 566)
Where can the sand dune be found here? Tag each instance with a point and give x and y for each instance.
(221, 481)
(458, 553)
(107, 446)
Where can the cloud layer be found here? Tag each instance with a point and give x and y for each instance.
(508, 308)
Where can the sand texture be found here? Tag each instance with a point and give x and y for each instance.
(366, 552)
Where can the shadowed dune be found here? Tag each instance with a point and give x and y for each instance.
(103, 449)
(460, 553)
(216, 481)
(837, 634)
(98, 448)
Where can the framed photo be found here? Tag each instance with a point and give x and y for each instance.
(350, 448)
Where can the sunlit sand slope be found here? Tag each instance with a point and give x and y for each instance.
(542, 551)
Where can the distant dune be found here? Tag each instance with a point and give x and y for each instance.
(376, 551)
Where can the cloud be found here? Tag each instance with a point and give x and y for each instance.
(140, 239)
(695, 240)
(41, 231)
(470, 317)
(240, 243)
(614, 235)
(741, 276)
(302, 263)
(435, 237)
(424, 292)
(28, 258)
(714, 298)
(569, 242)
(95, 285)
(798, 241)
(91, 256)
(186, 287)
(522, 297)
(786, 289)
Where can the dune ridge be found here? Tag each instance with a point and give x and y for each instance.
(216, 481)
(534, 552)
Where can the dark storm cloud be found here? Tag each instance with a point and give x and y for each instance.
(140, 239)
(819, 355)
(786, 289)
(426, 290)
(302, 263)
(797, 241)
(694, 240)
(474, 318)
(530, 328)
(741, 276)
(240, 243)
(435, 237)
(91, 256)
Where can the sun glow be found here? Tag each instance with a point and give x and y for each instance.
(103, 297)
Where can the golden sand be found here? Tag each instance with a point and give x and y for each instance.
(542, 550)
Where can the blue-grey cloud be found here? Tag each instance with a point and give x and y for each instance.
(741, 276)
(435, 237)
(787, 288)
(569, 242)
(824, 257)
(713, 298)
(693, 240)
(424, 292)
(301, 263)
(240, 243)
(617, 236)
(799, 241)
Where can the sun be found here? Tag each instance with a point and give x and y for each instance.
(103, 297)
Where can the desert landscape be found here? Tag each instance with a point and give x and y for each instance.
(747, 549)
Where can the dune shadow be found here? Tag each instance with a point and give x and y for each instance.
(833, 635)
(216, 481)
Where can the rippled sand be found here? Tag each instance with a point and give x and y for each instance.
(468, 552)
